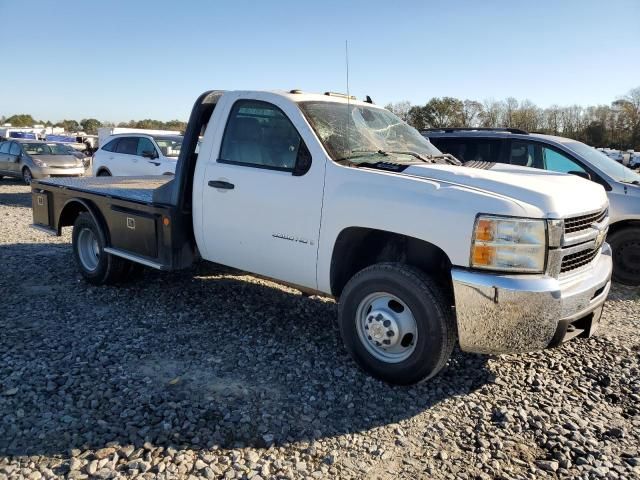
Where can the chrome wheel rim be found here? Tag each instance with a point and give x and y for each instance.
(26, 175)
(386, 327)
(88, 249)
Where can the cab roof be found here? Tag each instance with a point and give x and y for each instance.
(298, 96)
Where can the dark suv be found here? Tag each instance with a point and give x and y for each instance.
(559, 154)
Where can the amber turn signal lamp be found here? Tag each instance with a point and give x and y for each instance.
(484, 230)
(483, 254)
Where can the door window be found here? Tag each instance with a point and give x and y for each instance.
(4, 147)
(145, 145)
(525, 154)
(15, 149)
(111, 146)
(259, 134)
(558, 162)
(468, 149)
(127, 145)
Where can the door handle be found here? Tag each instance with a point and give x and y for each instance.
(155, 163)
(221, 184)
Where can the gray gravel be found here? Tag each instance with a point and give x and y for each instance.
(210, 373)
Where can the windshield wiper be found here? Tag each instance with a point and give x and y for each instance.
(450, 159)
(428, 159)
(361, 153)
(632, 182)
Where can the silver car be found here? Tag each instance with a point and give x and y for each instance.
(29, 159)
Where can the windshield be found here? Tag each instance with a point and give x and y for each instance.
(170, 146)
(356, 132)
(45, 149)
(602, 162)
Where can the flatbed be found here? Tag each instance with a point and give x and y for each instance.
(134, 189)
(141, 229)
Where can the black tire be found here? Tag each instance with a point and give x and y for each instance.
(103, 173)
(27, 176)
(625, 244)
(109, 269)
(436, 333)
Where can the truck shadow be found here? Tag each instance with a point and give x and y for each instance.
(15, 199)
(195, 359)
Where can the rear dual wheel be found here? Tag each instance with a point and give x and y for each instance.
(396, 323)
(97, 266)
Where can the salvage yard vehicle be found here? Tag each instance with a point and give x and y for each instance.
(29, 159)
(131, 154)
(341, 197)
(564, 155)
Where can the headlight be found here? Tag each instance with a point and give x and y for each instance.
(39, 162)
(509, 244)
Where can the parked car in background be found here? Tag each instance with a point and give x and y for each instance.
(634, 161)
(615, 155)
(105, 132)
(29, 159)
(135, 154)
(565, 155)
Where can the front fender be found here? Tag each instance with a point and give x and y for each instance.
(439, 213)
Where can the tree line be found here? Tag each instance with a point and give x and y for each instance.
(615, 126)
(90, 125)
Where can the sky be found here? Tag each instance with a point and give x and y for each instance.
(123, 60)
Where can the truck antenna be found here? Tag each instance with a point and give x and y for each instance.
(346, 56)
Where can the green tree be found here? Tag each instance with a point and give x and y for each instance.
(69, 125)
(90, 125)
(21, 120)
(176, 125)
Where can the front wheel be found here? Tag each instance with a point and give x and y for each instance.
(396, 324)
(625, 244)
(27, 176)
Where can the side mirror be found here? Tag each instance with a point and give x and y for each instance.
(580, 174)
(303, 161)
(150, 154)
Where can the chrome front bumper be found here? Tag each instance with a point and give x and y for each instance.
(510, 313)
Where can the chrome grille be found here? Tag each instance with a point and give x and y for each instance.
(578, 241)
(578, 259)
(583, 222)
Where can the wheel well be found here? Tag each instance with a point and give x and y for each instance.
(357, 248)
(103, 169)
(622, 225)
(73, 208)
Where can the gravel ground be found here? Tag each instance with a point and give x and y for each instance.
(215, 374)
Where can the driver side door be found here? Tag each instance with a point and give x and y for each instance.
(13, 159)
(260, 209)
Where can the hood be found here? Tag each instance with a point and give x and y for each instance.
(59, 160)
(555, 195)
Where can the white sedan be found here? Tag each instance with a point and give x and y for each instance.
(135, 154)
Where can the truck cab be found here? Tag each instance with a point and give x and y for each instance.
(340, 197)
